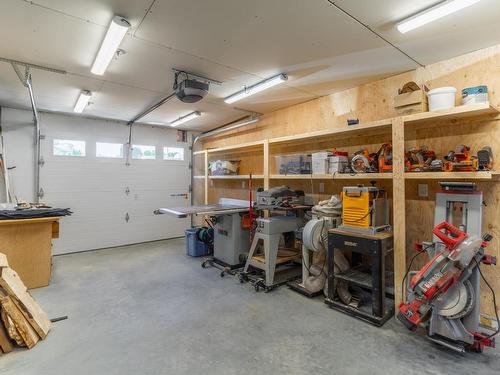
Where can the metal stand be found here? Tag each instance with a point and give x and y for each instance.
(226, 269)
(269, 231)
(271, 244)
(376, 246)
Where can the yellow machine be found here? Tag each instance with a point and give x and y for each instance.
(364, 209)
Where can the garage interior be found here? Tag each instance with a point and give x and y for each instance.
(229, 186)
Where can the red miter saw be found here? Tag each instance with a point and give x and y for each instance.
(442, 295)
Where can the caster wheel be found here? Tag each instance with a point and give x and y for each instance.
(204, 265)
(257, 288)
(222, 274)
(241, 278)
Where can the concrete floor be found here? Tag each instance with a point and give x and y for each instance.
(149, 309)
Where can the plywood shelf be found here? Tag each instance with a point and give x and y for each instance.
(241, 146)
(337, 176)
(237, 177)
(351, 129)
(480, 175)
(461, 112)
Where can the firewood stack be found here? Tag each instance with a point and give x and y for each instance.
(24, 322)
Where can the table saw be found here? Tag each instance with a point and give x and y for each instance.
(231, 240)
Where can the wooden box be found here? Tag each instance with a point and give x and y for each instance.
(411, 102)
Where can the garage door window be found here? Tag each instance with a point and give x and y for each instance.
(173, 153)
(143, 152)
(66, 147)
(108, 150)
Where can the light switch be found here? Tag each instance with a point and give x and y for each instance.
(243, 184)
(321, 187)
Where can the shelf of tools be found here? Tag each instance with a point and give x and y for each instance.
(439, 131)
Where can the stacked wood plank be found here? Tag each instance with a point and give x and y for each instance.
(24, 322)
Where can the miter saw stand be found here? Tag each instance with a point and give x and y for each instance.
(455, 314)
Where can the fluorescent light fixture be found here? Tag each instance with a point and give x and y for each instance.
(258, 87)
(440, 10)
(114, 36)
(183, 119)
(82, 101)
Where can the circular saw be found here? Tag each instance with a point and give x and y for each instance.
(361, 162)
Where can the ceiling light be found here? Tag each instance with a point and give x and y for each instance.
(114, 36)
(440, 10)
(182, 120)
(82, 101)
(258, 87)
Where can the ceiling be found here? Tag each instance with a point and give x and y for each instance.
(321, 44)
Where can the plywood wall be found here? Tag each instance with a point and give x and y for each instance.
(374, 101)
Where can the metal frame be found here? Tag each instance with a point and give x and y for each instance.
(27, 82)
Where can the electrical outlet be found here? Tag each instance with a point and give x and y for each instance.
(423, 190)
(211, 183)
(321, 187)
(243, 184)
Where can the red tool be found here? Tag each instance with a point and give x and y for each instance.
(446, 272)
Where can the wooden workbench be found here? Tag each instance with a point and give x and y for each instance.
(28, 246)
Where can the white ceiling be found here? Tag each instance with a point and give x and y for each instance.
(239, 42)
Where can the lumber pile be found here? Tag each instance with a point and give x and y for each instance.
(23, 322)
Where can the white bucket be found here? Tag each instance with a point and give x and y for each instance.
(442, 98)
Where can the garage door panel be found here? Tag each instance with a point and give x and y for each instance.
(77, 176)
(163, 177)
(102, 192)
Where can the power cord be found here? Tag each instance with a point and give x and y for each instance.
(494, 304)
(409, 268)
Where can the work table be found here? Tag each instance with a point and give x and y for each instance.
(27, 243)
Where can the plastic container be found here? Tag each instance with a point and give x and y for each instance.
(475, 95)
(194, 247)
(293, 164)
(320, 162)
(224, 167)
(442, 98)
(338, 164)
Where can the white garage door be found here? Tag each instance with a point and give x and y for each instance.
(112, 203)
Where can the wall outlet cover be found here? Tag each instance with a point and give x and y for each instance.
(423, 190)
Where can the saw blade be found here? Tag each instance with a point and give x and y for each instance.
(457, 302)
